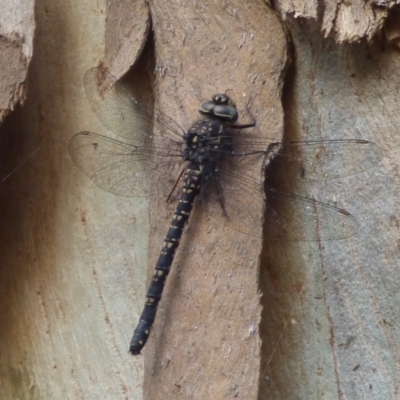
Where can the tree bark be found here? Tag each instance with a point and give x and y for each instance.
(205, 342)
(74, 259)
(330, 314)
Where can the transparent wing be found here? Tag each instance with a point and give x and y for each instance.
(329, 159)
(244, 142)
(288, 217)
(310, 161)
(125, 169)
(121, 113)
(295, 218)
(121, 168)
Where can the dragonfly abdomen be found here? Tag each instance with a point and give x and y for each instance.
(191, 188)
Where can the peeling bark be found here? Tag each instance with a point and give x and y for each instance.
(74, 259)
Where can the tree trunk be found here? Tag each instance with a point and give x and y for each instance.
(74, 259)
(330, 318)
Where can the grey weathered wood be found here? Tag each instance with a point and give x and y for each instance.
(69, 257)
(73, 256)
(346, 22)
(330, 324)
(70, 252)
(16, 35)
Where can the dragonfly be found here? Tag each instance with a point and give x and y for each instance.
(216, 151)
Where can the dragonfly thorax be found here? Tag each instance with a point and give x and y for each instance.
(205, 141)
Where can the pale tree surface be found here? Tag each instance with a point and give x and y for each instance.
(330, 325)
(74, 258)
(345, 21)
(16, 29)
(205, 342)
(67, 298)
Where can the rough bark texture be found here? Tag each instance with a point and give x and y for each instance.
(203, 344)
(69, 257)
(345, 21)
(330, 320)
(74, 258)
(16, 36)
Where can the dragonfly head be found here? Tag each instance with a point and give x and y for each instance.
(221, 106)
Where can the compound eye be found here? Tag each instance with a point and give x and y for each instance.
(207, 107)
(221, 99)
(226, 112)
